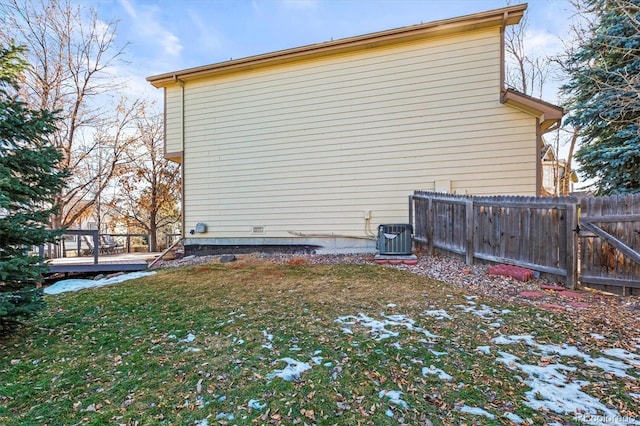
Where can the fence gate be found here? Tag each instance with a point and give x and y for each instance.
(610, 243)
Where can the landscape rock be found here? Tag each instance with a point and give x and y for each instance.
(226, 258)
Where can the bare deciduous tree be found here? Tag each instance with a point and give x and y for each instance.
(149, 194)
(524, 73)
(70, 51)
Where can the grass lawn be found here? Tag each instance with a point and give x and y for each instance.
(254, 342)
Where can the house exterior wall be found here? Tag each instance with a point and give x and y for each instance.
(173, 120)
(306, 152)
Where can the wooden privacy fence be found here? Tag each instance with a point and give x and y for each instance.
(595, 243)
(534, 232)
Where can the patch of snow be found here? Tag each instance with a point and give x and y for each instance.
(485, 312)
(408, 323)
(317, 360)
(255, 404)
(190, 338)
(438, 314)
(484, 349)
(395, 397)
(292, 371)
(389, 412)
(552, 390)
(514, 418)
(200, 402)
(622, 354)
(378, 328)
(436, 371)
(192, 349)
(64, 286)
(475, 411)
(203, 422)
(437, 353)
(225, 416)
(396, 345)
(346, 330)
(508, 340)
(269, 338)
(391, 305)
(597, 336)
(617, 368)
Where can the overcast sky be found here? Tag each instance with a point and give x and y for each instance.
(169, 35)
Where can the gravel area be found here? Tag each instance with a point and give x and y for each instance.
(596, 312)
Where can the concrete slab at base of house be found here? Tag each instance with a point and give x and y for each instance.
(317, 245)
(409, 259)
(396, 257)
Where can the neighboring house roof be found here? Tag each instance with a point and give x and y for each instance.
(499, 17)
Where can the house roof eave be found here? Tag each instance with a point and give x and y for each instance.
(510, 15)
(550, 115)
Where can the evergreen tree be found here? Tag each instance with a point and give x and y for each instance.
(604, 95)
(29, 179)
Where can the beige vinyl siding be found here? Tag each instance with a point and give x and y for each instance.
(308, 147)
(173, 119)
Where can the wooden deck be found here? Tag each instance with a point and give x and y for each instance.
(124, 262)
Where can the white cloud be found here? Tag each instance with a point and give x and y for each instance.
(541, 43)
(151, 29)
(126, 5)
(171, 43)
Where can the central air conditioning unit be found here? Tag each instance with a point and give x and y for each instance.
(394, 239)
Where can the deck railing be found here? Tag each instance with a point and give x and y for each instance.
(89, 242)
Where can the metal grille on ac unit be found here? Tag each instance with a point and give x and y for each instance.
(394, 239)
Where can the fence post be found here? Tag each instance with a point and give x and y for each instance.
(572, 244)
(430, 225)
(469, 231)
(96, 246)
(410, 213)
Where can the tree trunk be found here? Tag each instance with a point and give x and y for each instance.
(567, 168)
(153, 232)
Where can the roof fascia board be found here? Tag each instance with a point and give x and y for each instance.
(549, 114)
(498, 17)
